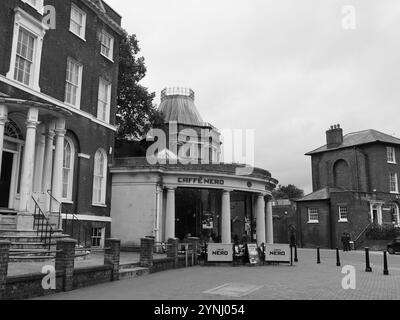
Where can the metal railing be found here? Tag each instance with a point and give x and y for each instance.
(71, 222)
(361, 234)
(42, 225)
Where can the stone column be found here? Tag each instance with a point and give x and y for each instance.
(56, 186)
(260, 216)
(170, 215)
(48, 161)
(28, 161)
(270, 223)
(4, 256)
(3, 121)
(112, 256)
(39, 159)
(65, 260)
(226, 236)
(146, 252)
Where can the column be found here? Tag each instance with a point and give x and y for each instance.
(226, 217)
(28, 160)
(157, 222)
(3, 121)
(65, 260)
(260, 216)
(112, 256)
(270, 223)
(170, 215)
(56, 186)
(39, 158)
(48, 161)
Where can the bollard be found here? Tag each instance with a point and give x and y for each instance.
(367, 263)
(337, 258)
(318, 256)
(385, 264)
(291, 256)
(295, 254)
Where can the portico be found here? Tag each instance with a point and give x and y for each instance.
(27, 169)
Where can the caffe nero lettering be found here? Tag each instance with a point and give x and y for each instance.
(201, 180)
(220, 252)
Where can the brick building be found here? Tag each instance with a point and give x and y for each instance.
(355, 184)
(58, 87)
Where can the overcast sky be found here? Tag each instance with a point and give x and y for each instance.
(286, 68)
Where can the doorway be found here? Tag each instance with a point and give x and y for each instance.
(5, 179)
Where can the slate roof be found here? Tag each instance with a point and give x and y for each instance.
(322, 194)
(360, 138)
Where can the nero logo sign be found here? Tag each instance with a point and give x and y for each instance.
(278, 252)
(218, 252)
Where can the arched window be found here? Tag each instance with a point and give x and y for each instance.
(68, 169)
(342, 175)
(100, 177)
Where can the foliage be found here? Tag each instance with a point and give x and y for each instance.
(385, 232)
(288, 192)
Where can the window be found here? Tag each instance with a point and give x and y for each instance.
(100, 177)
(26, 49)
(24, 58)
(393, 183)
(104, 101)
(391, 155)
(97, 237)
(313, 216)
(395, 214)
(78, 22)
(343, 214)
(107, 45)
(68, 169)
(73, 83)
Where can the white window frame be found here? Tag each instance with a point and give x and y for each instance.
(396, 191)
(108, 86)
(70, 184)
(313, 213)
(83, 30)
(102, 202)
(38, 30)
(391, 155)
(341, 212)
(111, 55)
(79, 90)
(97, 237)
(38, 6)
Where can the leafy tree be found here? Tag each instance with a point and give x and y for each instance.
(288, 192)
(136, 114)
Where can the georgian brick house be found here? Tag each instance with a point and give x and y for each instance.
(355, 183)
(58, 86)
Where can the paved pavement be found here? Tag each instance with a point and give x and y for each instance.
(305, 281)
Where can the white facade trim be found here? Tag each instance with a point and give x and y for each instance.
(84, 217)
(84, 156)
(54, 101)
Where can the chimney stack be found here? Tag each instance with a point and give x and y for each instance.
(334, 136)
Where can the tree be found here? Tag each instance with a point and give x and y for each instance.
(136, 114)
(290, 192)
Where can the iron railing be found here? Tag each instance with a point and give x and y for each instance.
(42, 225)
(71, 222)
(361, 234)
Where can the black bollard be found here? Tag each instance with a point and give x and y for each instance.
(291, 256)
(318, 256)
(385, 264)
(367, 263)
(337, 258)
(295, 254)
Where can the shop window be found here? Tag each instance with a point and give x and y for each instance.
(313, 215)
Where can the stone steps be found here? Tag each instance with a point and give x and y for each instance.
(129, 265)
(133, 273)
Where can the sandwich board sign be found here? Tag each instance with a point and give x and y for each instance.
(277, 253)
(254, 257)
(218, 252)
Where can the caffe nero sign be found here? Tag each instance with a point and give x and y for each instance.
(201, 181)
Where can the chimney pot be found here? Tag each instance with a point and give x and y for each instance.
(334, 137)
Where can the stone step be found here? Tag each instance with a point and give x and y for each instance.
(8, 226)
(133, 273)
(30, 252)
(24, 258)
(28, 245)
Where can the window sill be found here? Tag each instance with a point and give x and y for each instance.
(78, 35)
(391, 162)
(313, 222)
(106, 122)
(108, 58)
(28, 86)
(99, 205)
(343, 221)
(72, 106)
(65, 201)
